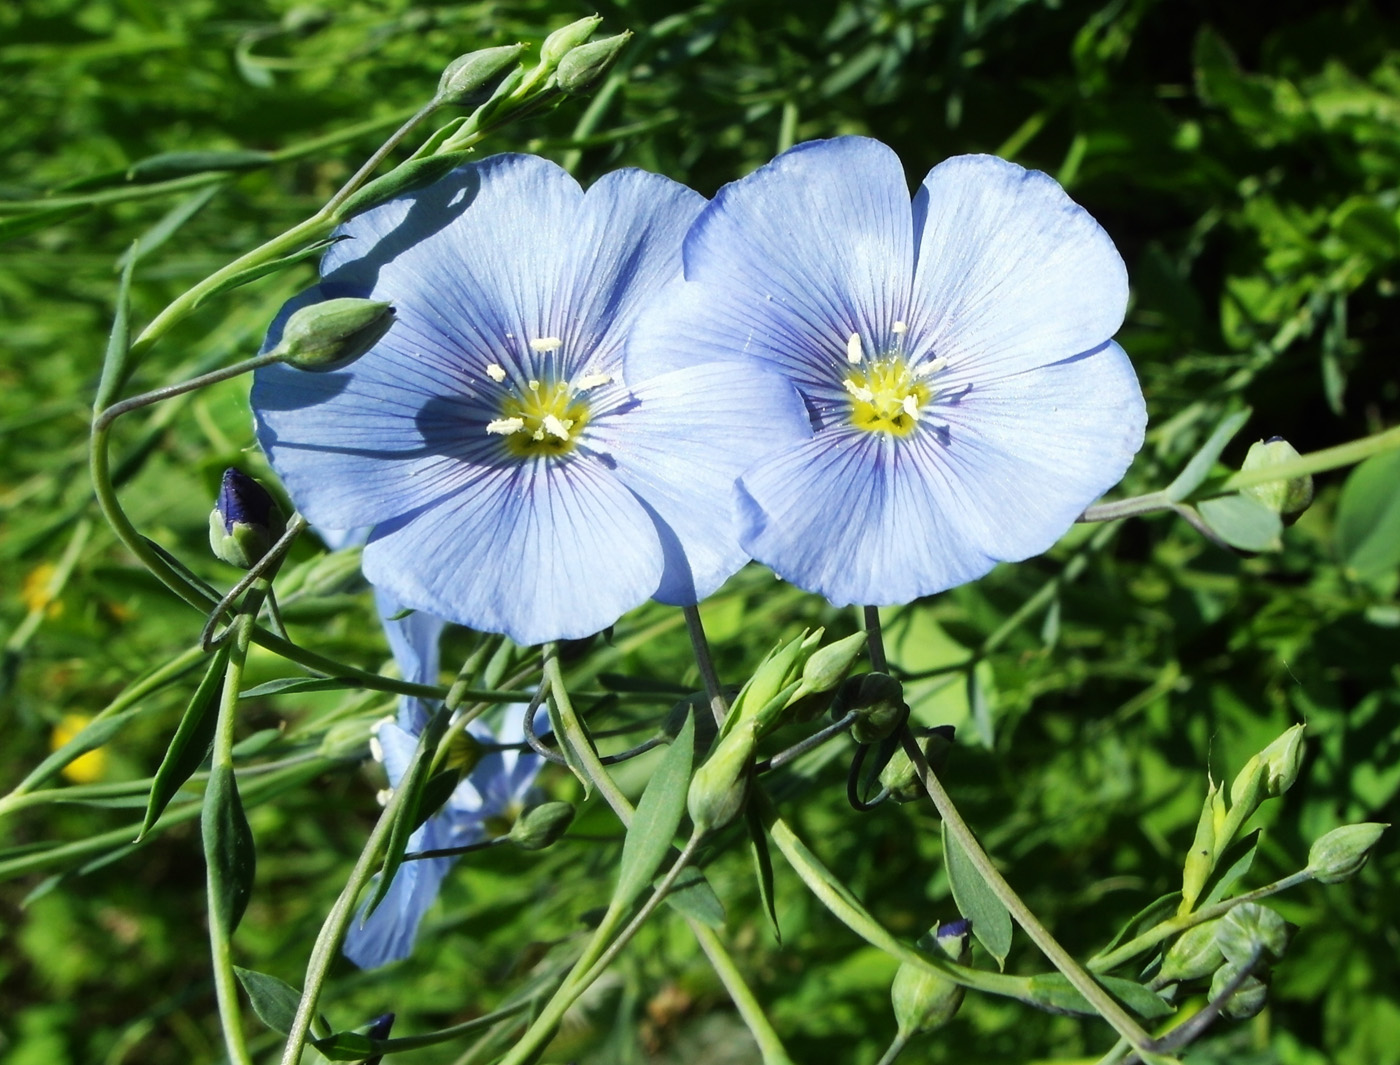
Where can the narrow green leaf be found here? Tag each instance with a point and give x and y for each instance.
(93, 736)
(1243, 522)
(252, 273)
(20, 225)
(169, 225)
(412, 788)
(178, 164)
(657, 818)
(692, 896)
(1243, 852)
(191, 742)
(114, 363)
(436, 791)
(274, 1001)
(1051, 991)
(346, 1046)
(763, 867)
(289, 685)
(1368, 517)
(991, 922)
(1158, 909)
(228, 849)
(1198, 469)
(566, 746)
(407, 176)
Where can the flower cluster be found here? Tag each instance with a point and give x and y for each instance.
(591, 398)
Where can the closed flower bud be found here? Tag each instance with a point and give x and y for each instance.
(541, 826)
(924, 1000)
(585, 66)
(721, 785)
(1251, 930)
(1194, 954)
(333, 333)
(1200, 859)
(901, 779)
(1288, 499)
(245, 522)
(1249, 998)
(821, 675)
(1282, 760)
(879, 699)
(469, 80)
(565, 39)
(1341, 853)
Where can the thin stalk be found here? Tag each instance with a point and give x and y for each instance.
(1107, 1006)
(696, 628)
(145, 399)
(875, 639)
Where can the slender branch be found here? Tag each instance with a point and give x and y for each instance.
(696, 628)
(875, 639)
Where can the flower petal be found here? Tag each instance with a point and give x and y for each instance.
(791, 260)
(1011, 272)
(542, 551)
(690, 436)
(389, 932)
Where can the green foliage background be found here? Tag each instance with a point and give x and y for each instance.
(1245, 158)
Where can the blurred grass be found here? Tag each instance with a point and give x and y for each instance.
(1244, 157)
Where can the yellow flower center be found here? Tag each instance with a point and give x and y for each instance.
(885, 396)
(543, 419)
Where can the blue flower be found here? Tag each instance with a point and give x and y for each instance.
(521, 472)
(494, 789)
(964, 399)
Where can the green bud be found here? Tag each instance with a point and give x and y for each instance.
(1283, 759)
(899, 776)
(245, 521)
(1341, 853)
(1249, 930)
(925, 1000)
(471, 79)
(585, 66)
(565, 39)
(821, 675)
(773, 683)
(541, 826)
(1288, 499)
(721, 785)
(1200, 860)
(464, 751)
(879, 699)
(1249, 998)
(1194, 954)
(333, 333)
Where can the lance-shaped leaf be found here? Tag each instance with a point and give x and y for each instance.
(274, 1001)
(991, 921)
(657, 818)
(191, 742)
(115, 362)
(1198, 469)
(228, 849)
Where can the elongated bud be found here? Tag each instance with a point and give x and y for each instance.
(822, 675)
(1341, 853)
(925, 1000)
(1282, 761)
(879, 699)
(1288, 499)
(245, 522)
(565, 39)
(776, 680)
(469, 80)
(721, 785)
(1194, 954)
(333, 333)
(585, 66)
(1200, 860)
(541, 826)
(901, 779)
(1251, 930)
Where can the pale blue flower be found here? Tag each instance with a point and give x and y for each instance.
(964, 399)
(521, 474)
(495, 789)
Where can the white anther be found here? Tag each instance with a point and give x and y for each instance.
(496, 372)
(930, 367)
(899, 328)
(546, 344)
(911, 407)
(383, 796)
(533, 385)
(593, 380)
(556, 428)
(861, 393)
(376, 749)
(505, 426)
(853, 350)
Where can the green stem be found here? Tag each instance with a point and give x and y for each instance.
(1329, 458)
(1103, 963)
(220, 945)
(1107, 1006)
(104, 420)
(696, 628)
(875, 640)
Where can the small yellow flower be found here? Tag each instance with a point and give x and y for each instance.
(85, 768)
(36, 592)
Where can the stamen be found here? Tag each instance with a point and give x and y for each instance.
(496, 372)
(593, 380)
(899, 328)
(853, 350)
(376, 749)
(859, 391)
(911, 407)
(505, 426)
(533, 385)
(556, 428)
(924, 369)
(546, 344)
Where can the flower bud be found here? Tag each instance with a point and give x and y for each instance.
(1282, 760)
(721, 785)
(1249, 998)
(1341, 853)
(1287, 499)
(1194, 954)
(585, 66)
(245, 522)
(901, 779)
(565, 39)
(470, 79)
(1249, 931)
(879, 700)
(924, 1000)
(333, 333)
(541, 826)
(464, 751)
(821, 675)
(1200, 859)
